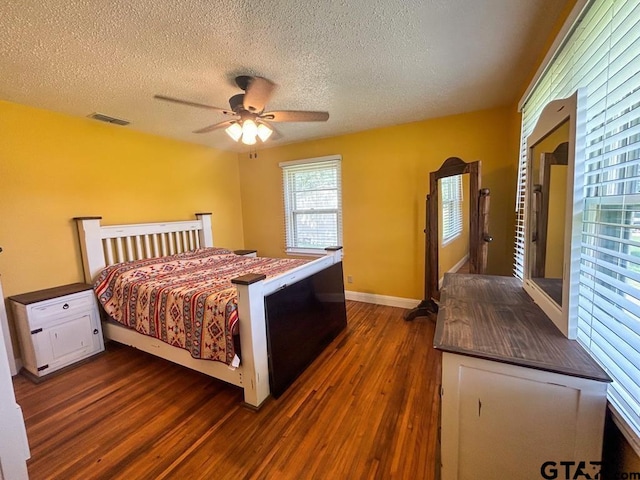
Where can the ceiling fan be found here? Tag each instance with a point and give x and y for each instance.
(250, 120)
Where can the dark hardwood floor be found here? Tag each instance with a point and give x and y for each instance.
(366, 408)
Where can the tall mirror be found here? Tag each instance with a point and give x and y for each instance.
(552, 212)
(457, 239)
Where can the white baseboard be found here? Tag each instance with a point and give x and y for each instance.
(382, 299)
(454, 269)
(18, 367)
(459, 265)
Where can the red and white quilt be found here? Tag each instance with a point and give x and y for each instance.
(186, 300)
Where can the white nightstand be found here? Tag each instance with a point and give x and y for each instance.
(57, 327)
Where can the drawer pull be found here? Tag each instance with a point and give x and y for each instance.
(65, 306)
(37, 330)
(95, 331)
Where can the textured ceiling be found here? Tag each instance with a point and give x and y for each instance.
(370, 63)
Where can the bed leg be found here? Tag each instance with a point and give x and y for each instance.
(253, 338)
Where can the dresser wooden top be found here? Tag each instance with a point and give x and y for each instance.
(493, 318)
(49, 293)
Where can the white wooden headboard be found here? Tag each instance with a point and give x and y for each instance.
(106, 245)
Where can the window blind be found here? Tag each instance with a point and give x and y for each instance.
(602, 56)
(313, 205)
(451, 200)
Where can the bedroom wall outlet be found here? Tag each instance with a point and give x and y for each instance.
(349, 279)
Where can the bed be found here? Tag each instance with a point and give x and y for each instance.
(284, 322)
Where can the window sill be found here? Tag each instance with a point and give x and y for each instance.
(306, 252)
(449, 240)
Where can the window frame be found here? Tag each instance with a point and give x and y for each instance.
(595, 51)
(289, 169)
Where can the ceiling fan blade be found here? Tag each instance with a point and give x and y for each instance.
(193, 104)
(215, 126)
(295, 116)
(276, 135)
(257, 94)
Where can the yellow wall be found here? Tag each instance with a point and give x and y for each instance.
(54, 167)
(385, 178)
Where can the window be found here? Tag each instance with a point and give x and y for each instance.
(451, 193)
(602, 55)
(312, 204)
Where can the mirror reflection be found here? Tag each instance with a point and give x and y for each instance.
(549, 165)
(454, 225)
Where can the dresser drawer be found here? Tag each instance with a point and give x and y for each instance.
(69, 305)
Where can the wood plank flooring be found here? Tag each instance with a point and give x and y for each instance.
(366, 408)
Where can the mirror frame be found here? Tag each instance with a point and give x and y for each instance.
(554, 114)
(453, 166)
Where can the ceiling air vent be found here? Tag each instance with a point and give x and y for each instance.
(108, 119)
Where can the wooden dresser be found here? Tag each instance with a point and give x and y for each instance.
(518, 397)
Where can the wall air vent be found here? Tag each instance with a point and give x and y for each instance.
(108, 119)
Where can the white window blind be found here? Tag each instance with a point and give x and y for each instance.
(313, 204)
(602, 55)
(451, 200)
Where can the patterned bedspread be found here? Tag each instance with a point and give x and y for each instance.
(186, 300)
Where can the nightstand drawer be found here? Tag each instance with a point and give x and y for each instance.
(69, 305)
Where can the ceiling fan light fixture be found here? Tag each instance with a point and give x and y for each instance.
(248, 140)
(249, 132)
(234, 131)
(251, 121)
(264, 132)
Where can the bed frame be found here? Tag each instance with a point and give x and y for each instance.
(106, 245)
